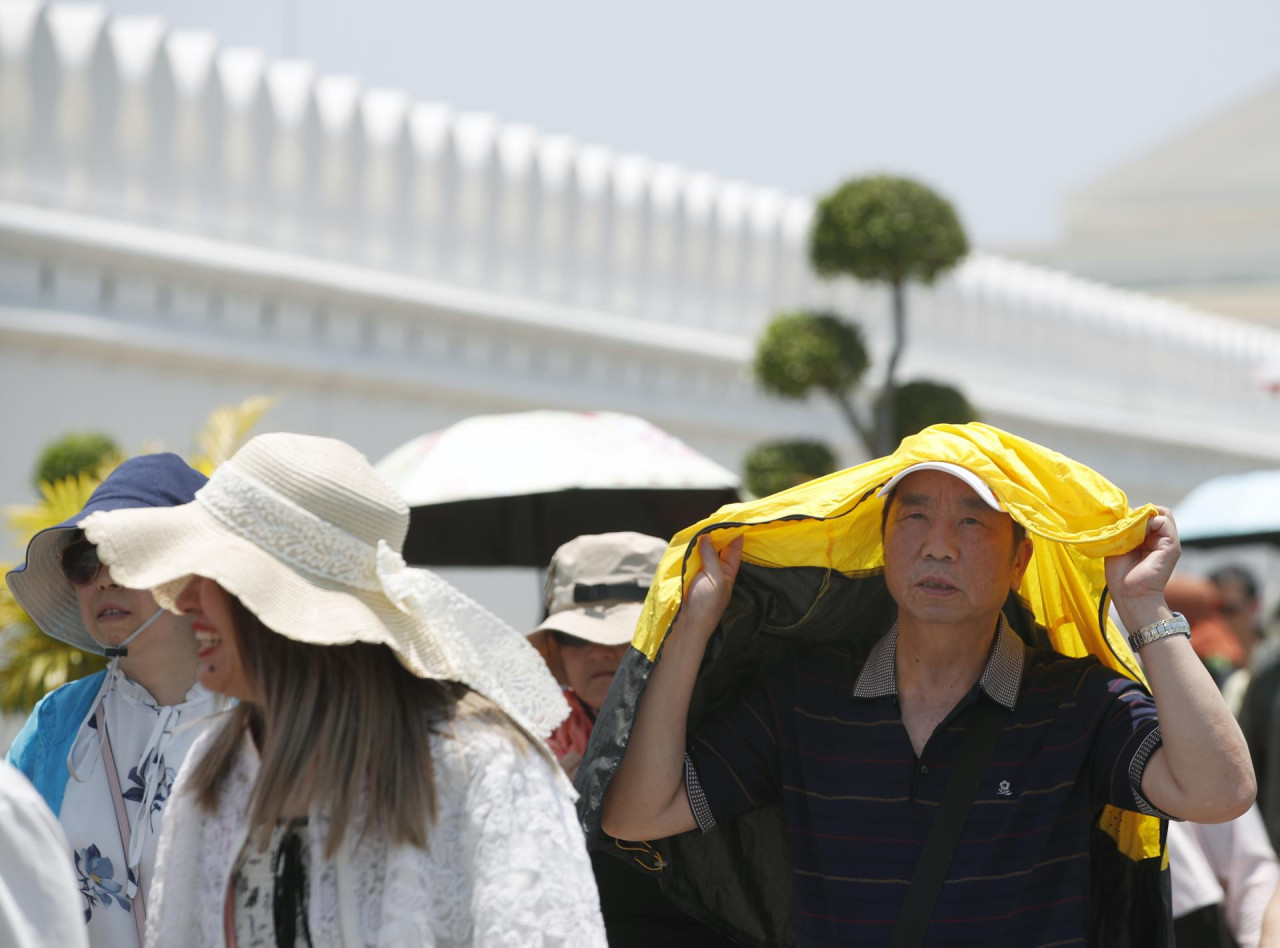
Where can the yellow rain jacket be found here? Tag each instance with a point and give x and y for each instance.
(812, 571)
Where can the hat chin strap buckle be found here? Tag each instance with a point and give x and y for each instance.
(122, 650)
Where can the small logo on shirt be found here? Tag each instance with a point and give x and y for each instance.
(1004, 789)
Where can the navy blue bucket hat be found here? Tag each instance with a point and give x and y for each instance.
(151, 480)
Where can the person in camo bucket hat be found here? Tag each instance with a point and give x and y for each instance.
(103, 751)
(596, 586)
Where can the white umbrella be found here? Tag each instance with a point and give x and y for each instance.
(1233, 508)
(508, 489)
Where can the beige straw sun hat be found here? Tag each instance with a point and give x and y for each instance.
(307, 536)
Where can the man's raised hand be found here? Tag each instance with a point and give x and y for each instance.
(711, 588)
(1137, 579)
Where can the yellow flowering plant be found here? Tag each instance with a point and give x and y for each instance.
(32, 663)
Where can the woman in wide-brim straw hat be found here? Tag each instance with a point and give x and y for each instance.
(383, 779)
(103, 751)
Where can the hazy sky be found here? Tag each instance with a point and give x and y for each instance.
(1004, 105)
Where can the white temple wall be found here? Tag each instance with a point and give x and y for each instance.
(185, 223)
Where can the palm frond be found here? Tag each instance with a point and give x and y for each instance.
(227, 429)
(35, 664)
(58, 501)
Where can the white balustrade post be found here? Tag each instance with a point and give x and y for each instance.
(629, 267)
(728, 285)
(593, 222)
(554, 213)
(22, 111)
(184, 193)
(294, 146)
(385, 169)
(764, 261)
(76, 34)
(514, 234)
(475, 137)
(431, 135)
(335, 193)
(699, 249)
(135, 46)
(242, 122)
(796, 281)
(665, 254)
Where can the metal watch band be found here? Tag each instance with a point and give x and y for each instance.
(1177, 624)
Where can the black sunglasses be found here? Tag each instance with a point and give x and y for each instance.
(79, 562)
(565, 640)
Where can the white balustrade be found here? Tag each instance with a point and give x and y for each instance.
(120, 119)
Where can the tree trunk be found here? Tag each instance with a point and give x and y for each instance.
(887, 423)
(849, 410)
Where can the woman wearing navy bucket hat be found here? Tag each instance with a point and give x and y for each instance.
(103, 751)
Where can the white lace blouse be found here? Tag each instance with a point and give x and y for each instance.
(505, 862)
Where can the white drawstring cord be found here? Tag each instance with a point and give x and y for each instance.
(75, 757)
(154, 771)
(117, 652)
(155, 776)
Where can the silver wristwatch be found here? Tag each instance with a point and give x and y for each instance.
(1177, 624)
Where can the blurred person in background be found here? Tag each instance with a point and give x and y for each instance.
(382, 780)
(103, 751)
(1241, 609)
(596, 587)
(1225, 874)
(1241, 604)
(1224, 878)
(1260, 721)
(38, 897)
(1212, 636)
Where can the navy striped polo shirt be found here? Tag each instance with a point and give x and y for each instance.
(822, 737)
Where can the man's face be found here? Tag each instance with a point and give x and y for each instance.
(1239, 609)
(949, 559)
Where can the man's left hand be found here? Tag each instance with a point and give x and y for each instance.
(1137, 578)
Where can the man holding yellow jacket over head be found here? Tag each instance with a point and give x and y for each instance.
(901, 712)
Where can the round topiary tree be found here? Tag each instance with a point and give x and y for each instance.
(889, 230)
(82, 452)
(802, 351)
(922, 403)
(777, 465)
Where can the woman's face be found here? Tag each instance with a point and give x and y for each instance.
(111, 613)
(221, 666)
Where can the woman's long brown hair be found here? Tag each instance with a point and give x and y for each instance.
(340, 720)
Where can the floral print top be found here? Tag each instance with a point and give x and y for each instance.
(148, 743)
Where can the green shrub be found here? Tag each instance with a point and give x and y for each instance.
(777, 465)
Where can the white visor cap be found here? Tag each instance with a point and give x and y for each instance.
(955, 470)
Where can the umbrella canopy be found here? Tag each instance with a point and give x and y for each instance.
(1233, 508)
(507, 490)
